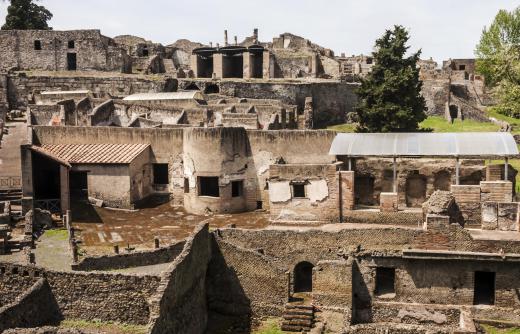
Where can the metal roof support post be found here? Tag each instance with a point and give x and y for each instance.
(394, 176)
(457, 171)
(506, 169)
(349, 164)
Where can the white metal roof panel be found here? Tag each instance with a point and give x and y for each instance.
(464, 144)
(185, 95)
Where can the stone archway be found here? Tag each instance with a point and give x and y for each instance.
(303, 277)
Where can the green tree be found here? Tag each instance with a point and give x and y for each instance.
(498, 59)
(390, 97)
(25, 14)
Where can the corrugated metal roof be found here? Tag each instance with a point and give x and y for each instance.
(95, 153)
(465, 144)
(185, 95)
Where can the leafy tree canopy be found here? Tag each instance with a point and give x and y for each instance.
(498, 54)
(390, 96)
(25, 14)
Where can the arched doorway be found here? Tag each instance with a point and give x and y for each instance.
(303, 277)
(454, 112)
(415, 190)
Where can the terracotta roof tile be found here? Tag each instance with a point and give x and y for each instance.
(96, 153)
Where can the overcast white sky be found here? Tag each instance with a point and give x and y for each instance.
(442, 28)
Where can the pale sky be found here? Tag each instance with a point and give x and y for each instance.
(442, 28)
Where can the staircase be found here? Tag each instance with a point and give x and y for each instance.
(298, 318)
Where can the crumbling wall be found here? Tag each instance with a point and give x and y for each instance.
(35, 307)
(180, 305)
(129, 260)
(102, 114)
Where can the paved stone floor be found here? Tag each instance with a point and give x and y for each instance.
(10, 162)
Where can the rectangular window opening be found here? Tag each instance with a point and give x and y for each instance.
(484, 293)
(186, 185)
(160, 174)
(37, 45)
(462, 67)
(208, 186)
(71, 44)
(237, 188)
(298, 190)
(385, 281)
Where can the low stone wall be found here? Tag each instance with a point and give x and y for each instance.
(416, 314)
(179, 306)
(88, 296)
(129, 260)
(35, 307)
(383, 218)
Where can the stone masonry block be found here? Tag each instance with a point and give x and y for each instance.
(496, 191)
(489, 216)
(466, 193)
(389, 202)
(508, 216)
(437, 222)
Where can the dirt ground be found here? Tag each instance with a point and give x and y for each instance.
(99, 229)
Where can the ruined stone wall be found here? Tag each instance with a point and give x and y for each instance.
(436, 92)
(20, 50)
(321, 198)
(34, 307)
(109, 183)
(13, 282)
(90, 296)
(43, 114)
(129, 260)
(141, 177)
(102, 114)
(332, 100)
(180, 305)
(22, 85)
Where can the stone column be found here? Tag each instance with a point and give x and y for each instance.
(27, 179)
(218, 68)
(247, 65)
(267, 67)
(194, 59)
(64, 189)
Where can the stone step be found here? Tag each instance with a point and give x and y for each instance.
(298, 316)
(297, 306)
(299, 312)
(297, 322)
(290, 328)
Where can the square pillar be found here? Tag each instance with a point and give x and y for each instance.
(346, 191)
(194, 59)
(218, 65)
(267, 65)
(64, 189)
(27, 179)
(388, 202)
(248, 69)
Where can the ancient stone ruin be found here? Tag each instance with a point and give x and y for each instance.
(193, 188)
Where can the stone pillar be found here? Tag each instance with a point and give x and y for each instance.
(308, 113)
(314, 65)
(194, 59)
(489, 216)
(346, 192)
(388, 202)
(267, 67)
(225, 38)
(64, 189)
(248, 69)
(27, 179)
(218, 64)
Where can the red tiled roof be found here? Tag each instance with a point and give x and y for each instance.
(96, 153)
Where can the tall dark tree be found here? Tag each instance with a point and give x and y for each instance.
(390, 97)
(25, 14)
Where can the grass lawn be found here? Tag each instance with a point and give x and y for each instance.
(515, 123)
(105, 327)
(493, 330)
(439, 124)
(269, 326)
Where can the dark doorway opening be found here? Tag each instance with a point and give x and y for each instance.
(484, 293)
(71, 62)
(233, 66)
(454, 112)
(442, 181)
(303, 277)
(237, 188)
(257, 60)
(145, 52)
(385, 281)
(211, 89)
(37, 45)
(160, 174)
(78, 183)
(204, 66)
(186, 185)
(208, 186)
(364, 190)
(46, 178)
